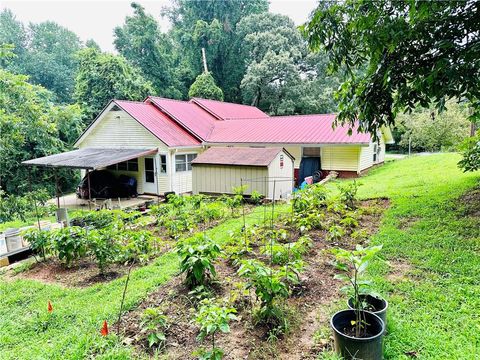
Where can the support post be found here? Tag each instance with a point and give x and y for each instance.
(57, 193)
(33, 198)
(89, 193)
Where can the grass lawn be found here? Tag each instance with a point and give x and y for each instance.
(429, 271)
(433, 242)
(27, 331)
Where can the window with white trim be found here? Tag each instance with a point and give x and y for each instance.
(184, 162)
(163, 164)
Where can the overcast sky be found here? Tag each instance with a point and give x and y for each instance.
(97, 19)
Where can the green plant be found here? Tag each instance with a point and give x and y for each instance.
(70, 243)
(197, 259)
(154, 324)
(354, 265)
(349, 221)
(256, 197)
(348, 193)
(213, 317)
(335, 233)
(470, 149)
(104, 246)
(271, 286)
(39, 241)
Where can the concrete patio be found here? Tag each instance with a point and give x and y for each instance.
(70, 201)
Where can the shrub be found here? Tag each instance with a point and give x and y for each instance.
(137, 245)
(271, 286)
(197, 259)
(470, 149)
(212, 318)
(335, 233)
(39, 241)
(14, 207)
(104, 246)
(348, 193)
(256, 197)
(154, 324)
(69, 243)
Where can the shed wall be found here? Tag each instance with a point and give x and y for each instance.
(283, 177)
(219, 179)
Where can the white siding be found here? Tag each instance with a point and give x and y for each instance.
(366, 155)
(118, 129)
(181, 182)
(344, 158)
(283, 177)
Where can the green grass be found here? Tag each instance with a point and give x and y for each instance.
(435, 311)
(72, 331)
(19, 223)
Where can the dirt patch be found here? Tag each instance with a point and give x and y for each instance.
(399, 270)
(316, 291)
(407, 222)
(470, 202)
(82, 274)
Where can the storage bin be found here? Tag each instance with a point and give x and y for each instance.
(13, 239)
(3, 244)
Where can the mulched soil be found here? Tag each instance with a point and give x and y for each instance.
(82, 274)
(317, 290)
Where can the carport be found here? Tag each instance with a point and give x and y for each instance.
(88, 159)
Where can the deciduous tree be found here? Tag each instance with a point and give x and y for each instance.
(414, 53)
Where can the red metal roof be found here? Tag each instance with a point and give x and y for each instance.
(191, 116)
(295, 129)
(160, 125)
(245, 156)
(225, 111)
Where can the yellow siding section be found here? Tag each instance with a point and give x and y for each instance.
(219, 179)
(344, 158)
(296, 152)
(118, 129)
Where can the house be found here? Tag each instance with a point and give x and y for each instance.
(268, 171)
(157, 140)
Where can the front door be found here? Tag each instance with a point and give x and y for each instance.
(149, 176)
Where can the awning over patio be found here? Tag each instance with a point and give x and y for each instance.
(89, 158)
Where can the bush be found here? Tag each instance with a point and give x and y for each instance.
(69, 243)
(271, 286)
(348, 193)
(197, 259)
(154, 323)
(104, 246)
(212, 318)
(471, 153)
(14, 207)
(39, 241)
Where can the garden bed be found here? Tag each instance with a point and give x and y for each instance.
(316, 290)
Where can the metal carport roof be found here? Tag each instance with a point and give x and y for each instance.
(89, 158)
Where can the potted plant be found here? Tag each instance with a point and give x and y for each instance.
(358, 334)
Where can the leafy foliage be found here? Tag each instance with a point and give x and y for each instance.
(204, 87)
(45, 52)
(154, 324)
(471, 153)
(198, 255)
(386, 75)
(354, 264)
(212, 318)
(22, 207)
(430, 130)
(69, 243)
(102, 77)
(31, 126)
(348, 193)
(141, 42)
(271, 286)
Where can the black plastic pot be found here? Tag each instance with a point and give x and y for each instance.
(349, 347)
(378, 303)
